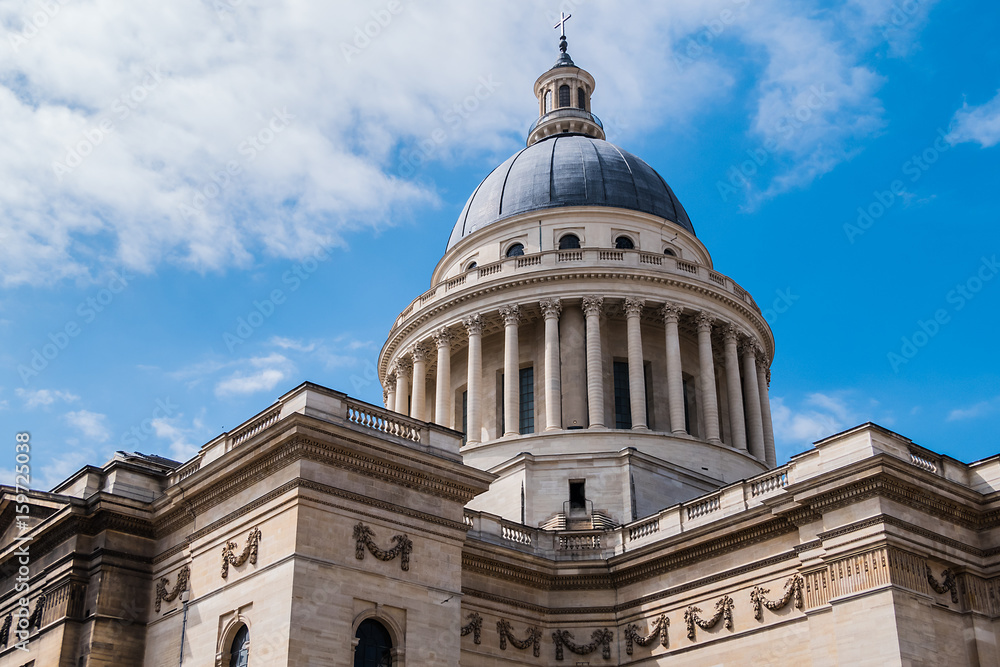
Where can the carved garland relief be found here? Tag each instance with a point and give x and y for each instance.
(181, 585)
(229, 556)
(658, 628)
(364, 538)
(506, 633)
(793, 590)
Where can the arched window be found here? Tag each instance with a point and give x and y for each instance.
(515, 250)
(471, 266)
(624, 243)
(564, 96)
(548, 101)
(239, 650)
(670, 252)
(569, 242)
(374, 645)
(581, 99)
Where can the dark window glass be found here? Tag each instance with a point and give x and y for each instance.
(623, 406)
(624, 243)
(239, 652)
(474, 265)
(564, 96)
(527, 401)
(465, 416)
(581, 98)
(374, 645)
(669, 251)
(515, 250)
(577, 495)
(569, 242)
(548, 101)
(689, 403)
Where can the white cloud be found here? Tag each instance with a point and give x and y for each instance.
(91, 424)
(45, 397)
(183, 440)
(979, 125)
(974, 411)
(290, 344)
(265, 374)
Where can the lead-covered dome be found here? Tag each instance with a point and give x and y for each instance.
(568, 170)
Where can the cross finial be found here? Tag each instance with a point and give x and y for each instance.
(563, 17)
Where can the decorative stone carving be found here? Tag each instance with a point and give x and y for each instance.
(551, 308)
(658, 628)
(404, 366)
(948, 583)
(506, 635)
(419, 353)
(731, 333)
(704, 320)
(723, 610)
(443, 337)
(35, 620)
(763, 363)
(671, 312)
(249, 553)
(474, 627)
(5, 630)
(511, 314)
(793, 591)
(473, 325)
(592, 305)
(181, 585)
(748, 347)
(634, 306)
(364, 537)
(602, 638)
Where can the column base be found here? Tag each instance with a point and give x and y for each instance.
(597, 426)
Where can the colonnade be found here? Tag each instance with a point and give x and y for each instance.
(748, 404)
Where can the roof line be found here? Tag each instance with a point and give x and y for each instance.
(503, 190)
(630, 172)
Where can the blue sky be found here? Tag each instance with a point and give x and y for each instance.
(166, 169)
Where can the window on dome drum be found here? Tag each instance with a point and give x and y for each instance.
(526, 420)
(374, 645)
(578, 494)
(515, 250)
(473, 265)
(624, 243)
(465, 416)
(564, 96)
(569, 242)
(689, 402)
(548, 101)
(581, 99)
(623, 404)
(239, 650)
(670, 252)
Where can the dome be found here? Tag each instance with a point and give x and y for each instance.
(568, 170)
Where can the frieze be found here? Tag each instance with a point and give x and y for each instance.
(723, 612)
(364, 538)
(180, 586)
(505, 630)
(598, 639)
(249, 553)
(793, 593)
(658, 629)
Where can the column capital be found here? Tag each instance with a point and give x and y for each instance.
(551, 308)
(390, 377)
(592, 305)
(403, 366)
(731, 333)
(419, 353)
(443, 337)
(473, 324)
(385, 396)
(705, 320)
(633, 306)
(762, 361)
(511, 314)
(671, 313)
(749, 347)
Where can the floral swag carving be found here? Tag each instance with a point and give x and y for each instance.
(35, 620)
(507, 635)
(602, 638)
(947, 584)
(229, 556)
(658, 628)
(182, 585)
(793, 591)
(723, 610)
(5, 630)
(474, 627)
(364, 537)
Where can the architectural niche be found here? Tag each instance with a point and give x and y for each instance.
(658, 628)
(723, 611)
(474, 627)
(181, 585)
(249, 553)
(793, 591)
(364, 538)
(506, 633)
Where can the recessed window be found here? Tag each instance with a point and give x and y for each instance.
(548, 101)
(624, 243)
(515, 250)
(669, 252)
(239, 650)
(374, 645)
(471, 266)
(569, 242)
(564, 96)
(581, 98)
(577, 494)
(623, 400)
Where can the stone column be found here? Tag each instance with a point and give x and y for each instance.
(442, 387)
(390, 389)
(573, 367)
(755, 426)
(474, 413)
(636, 373)
(595, 361)
(675, 378)
(736, 420)
(511, 382)
(553, 385)
(419, 354)
(403, 368)
(709, 402)
(763, 382)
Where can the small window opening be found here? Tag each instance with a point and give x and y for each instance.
(624, 243)
(239, 650)
(515, 250)
(669, 252)
(471, 266)
(564, 96)
(374, 645)
(581, 99)
(548, 101)
(569, 242)
(577, 494)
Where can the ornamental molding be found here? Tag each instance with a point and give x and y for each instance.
(249, 552)
(473, 325)
(634, 306)
(593, 305)
(946, 585)
(5, 629)
(551, 308)
(511, 315)
(705, 320)
(179, 586)
(35, 620)
(598, 639)
(748, 348)
(473, 627)
(443, 337)
(657, 629)
(723, 611)
(404, 367)
(364, 537)
(671, 313)
(505, 630)
(419, 354)
(793, 592)
(731, 334)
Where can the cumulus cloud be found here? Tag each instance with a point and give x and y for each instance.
(44, 397)
(800, 422)
(92, 425)
(974, 411)
(979, 124)
(263, 374)
(183, 440)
